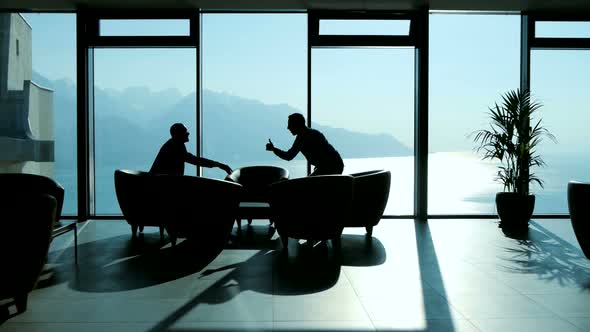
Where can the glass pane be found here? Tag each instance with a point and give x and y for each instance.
(36, 74)
(365, 27)
(144, 27)
(562, 29)
(363, 102)
(468, 73)
(139, 94)
(559, 80)
(253, 78)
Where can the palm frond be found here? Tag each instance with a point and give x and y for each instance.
(512, 138)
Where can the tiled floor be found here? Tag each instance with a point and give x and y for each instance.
(447, 275)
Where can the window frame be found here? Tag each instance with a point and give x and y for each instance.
(88, 38)
(319, 40)
(418, 39)
(556, 42)
(94, 39)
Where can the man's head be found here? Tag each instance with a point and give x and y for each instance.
(296, 123)
(179, 132)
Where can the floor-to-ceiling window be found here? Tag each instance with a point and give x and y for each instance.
(363, 101)
(559, 81)
(474, 59)
(138, 93)
(39, 79)
(254, 75)
(362, 98)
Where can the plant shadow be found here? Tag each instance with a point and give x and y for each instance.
(542, 253)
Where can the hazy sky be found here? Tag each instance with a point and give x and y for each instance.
(473, 59)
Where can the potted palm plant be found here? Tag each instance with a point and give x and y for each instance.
(511, 139)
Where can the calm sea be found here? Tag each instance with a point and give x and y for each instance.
(458, 182)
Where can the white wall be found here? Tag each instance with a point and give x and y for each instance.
(20, 66)
(34, 155)
(41, 123)
(41, 112)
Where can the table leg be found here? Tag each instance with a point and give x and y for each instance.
(76, 243)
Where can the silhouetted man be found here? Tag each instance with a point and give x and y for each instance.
(313, 145)
(173, 154)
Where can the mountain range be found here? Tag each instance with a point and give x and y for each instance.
(132, 124)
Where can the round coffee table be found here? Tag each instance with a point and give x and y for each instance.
(255, 179)
(253, 210)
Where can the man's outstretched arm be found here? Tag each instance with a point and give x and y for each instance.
(286, 155)
(204, 162)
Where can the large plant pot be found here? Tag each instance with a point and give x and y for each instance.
(578, 199)
(515, 210)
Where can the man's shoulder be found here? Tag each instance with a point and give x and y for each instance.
(173, 145)
(315, 133)
(309, 132)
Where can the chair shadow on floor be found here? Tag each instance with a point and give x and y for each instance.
(356, 250)
(303, 269)
(118, 264)
(549, 257)
(121, 263)
(362, 250)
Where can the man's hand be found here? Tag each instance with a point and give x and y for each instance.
(269, 145)
(224, 167)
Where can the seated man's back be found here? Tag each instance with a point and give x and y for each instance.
(170, 159)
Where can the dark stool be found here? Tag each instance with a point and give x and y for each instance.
(254, 203)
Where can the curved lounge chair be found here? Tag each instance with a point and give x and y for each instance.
(371, 193)
(137, 194)
(578, 199)
(19, 183)
(201, 209)
(255, 180)
(186, 206)
(312, 208)
(33, 183)
(28, 223)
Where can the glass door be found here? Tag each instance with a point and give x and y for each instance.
(142, 78)
(364, 93)
(559, 81)
(363, 102)
(253, 78)
(138, 94)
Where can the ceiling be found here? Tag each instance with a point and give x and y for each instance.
(457, 5)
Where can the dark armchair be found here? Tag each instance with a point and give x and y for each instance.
(138, 196)
(312, 208)
(28, 219)
(22, 182)
(200, 209)
(578, 199)
(255, 180)
(186, 206)
(371, 193)
(17, 183)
